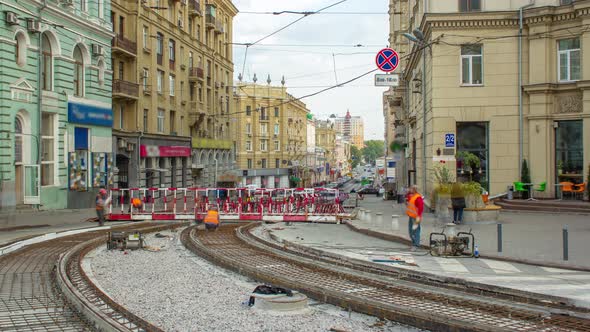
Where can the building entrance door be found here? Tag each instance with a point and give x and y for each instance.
(19, 185)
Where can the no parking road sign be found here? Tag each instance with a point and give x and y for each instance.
(387, 60)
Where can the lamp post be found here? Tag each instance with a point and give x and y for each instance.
(418, 38)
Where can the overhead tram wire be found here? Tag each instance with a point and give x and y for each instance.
(283, 28)
(303, 12)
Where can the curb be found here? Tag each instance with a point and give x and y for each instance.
(403, 240)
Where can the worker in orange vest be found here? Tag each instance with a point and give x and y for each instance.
(414, 210)
(212, 218)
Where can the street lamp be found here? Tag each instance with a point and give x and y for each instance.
(418, 38)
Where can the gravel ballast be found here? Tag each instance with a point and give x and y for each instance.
(178, 291)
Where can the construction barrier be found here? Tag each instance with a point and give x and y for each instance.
(287, 204)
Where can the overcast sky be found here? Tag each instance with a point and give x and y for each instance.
(310, 69)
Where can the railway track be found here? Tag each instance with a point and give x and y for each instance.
(44, 288)
(406, 301)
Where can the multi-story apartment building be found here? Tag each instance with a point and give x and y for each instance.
(55, 104)
(352, 128)
(271, 135)
(502, 80)
(172, 81)
(325, 138)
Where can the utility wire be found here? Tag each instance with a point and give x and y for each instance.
(283, 28)
(304, 13)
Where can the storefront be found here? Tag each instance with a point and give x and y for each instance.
(165, 163)
(89, 146)
(569, 151)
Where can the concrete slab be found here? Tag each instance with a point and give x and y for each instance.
(339, 239)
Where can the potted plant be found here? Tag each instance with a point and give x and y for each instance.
(470, 161)
(560, 167)
(473, 198)
(442, 190)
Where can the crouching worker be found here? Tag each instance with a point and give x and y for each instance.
(212, 218)
(137, 204)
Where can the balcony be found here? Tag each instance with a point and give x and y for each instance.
(219, 27)
(196, 73)
(194, 8)
(125, 90)
(264, 118)
(210, 21)
(124, 46)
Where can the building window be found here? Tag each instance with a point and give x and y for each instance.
(160, 81)
(121, 26)
(160, 48)
(569, 150)
(248, 128)
(146, 79)
(172, 52)
(248, 110)
(20, 52)
(569, 59)
(472, 137)
(121, 113)
(190, 59)
(276, 111)
(263, 165)
(47, 149)
(198, 32)
(249, 163)
(263, 115)
(263, 128)
(160, 120)
(171, 79)
(78, 72)
(101, 9)
(469, 5)
(18, 140)
(277, 145)
(47, 68)
(263, 145)
(566, 2)
(181, 125)
(248, 145)
(146, 37)
(277, 165)
(121, 70)
(471, 65)
(200, 92)
(276, 128)
(172, 123)
(182, 90)
(83, 5)
(145, 120)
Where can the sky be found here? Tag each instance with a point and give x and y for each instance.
(310, 69)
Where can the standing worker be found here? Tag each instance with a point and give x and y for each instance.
(102, 200)
(212, 218)
(414, 210)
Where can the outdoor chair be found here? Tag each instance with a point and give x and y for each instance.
(579, 189)
(541, 188)
(519, 187)
(567, 187)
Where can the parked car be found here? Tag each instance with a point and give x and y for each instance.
(368, 191)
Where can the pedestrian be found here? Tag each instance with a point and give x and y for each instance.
(414, 211)
(102, 200)
(458, 203)
(212, 218)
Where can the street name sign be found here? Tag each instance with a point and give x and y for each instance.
(386, 80)
(387, 60)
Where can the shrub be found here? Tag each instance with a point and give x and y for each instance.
(525, 177)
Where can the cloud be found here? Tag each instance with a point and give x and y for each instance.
(314, 66)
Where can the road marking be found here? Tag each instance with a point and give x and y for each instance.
(452, 265)
(554, 270)
(500, 267)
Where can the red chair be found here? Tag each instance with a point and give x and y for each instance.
(579, 189)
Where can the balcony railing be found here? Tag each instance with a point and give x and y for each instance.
(194, 8)
(210, 21)
(124, 45)
(125, 89)
(264, 118)
(195, 73)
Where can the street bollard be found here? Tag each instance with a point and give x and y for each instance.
(368, 217)
(565, 243)
(379, 219)
(395, 222)
(499, 237)
(361, 215)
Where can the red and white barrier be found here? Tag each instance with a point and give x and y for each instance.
(288, 204)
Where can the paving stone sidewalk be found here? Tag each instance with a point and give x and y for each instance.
(531, 237)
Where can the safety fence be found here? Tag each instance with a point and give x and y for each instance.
(286, 204)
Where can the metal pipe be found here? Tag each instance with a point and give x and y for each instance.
(40, 97)
(424, 119)
(520, 94)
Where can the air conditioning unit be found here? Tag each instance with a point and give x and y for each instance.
(121, 143)
(11, 18)
(33, 26)
(180, 23)
(97, 50)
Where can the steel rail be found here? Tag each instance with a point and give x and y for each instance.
(424, 308)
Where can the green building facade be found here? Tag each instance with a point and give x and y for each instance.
(55, 102)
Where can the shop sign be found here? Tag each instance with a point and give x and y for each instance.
(164, 151)
(90, 115)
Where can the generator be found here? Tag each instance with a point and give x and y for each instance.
(124, 240)
(449, 243)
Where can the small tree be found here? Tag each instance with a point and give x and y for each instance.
(525, 177)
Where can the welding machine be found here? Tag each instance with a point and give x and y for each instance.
(124, 240)
(449, 243)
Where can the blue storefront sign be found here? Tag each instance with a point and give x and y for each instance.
(90, 115)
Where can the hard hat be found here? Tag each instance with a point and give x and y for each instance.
(102, 191)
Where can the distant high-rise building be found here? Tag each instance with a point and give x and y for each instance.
(352, 129)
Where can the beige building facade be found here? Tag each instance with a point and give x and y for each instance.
(172, 78)
(270, 134)
(460, 90)
(352, 129)
(325, 138)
